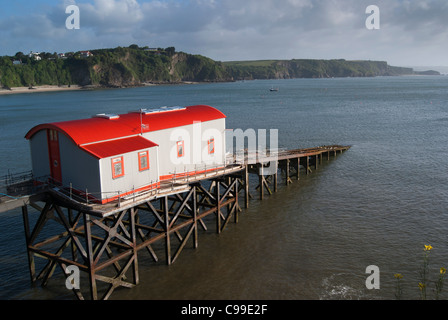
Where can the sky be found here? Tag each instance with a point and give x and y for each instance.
(408, 33)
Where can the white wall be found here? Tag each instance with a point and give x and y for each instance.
(39, 154)
(78, 167)
(195, 139)
(133, 178)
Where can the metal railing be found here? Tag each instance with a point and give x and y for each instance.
(24, 184)
(97, 197)
(13, 178)
(18, 185)
(202, 172)
(246, 156)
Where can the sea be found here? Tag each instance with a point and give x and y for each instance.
(376, 205)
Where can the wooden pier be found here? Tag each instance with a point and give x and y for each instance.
(104, 240)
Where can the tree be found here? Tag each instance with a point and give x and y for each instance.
(19, 55)
(170, 51)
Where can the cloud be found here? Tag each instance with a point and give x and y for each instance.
(23, 32)
(111, 16)
(178, 17)
(411, 31)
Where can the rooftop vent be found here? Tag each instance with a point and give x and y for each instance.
(159, 110)
(109, 116)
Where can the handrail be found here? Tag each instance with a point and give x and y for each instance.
(12, 178)
(25, 183)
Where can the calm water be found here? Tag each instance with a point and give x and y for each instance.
(377, 204)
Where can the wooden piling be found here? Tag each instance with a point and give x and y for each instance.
(298, 168)
(288, 178)
(246, 186)
(30, 256)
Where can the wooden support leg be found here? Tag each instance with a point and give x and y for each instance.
(298, 168)
(307, 164)
(90, 257)
(73, 246)
(237, 209)
(288, 179)
(266, 185)
(195, 218)
(132, 217)
(26, 224)
(275, 181)
(218, 208)
(246, 187)
(167, 231)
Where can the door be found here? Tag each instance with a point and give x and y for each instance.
(54, 155)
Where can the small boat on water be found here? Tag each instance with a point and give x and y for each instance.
(273, 89)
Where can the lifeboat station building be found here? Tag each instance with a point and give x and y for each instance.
(115, 155)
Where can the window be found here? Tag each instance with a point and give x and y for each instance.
(53, 135)
(143, 161)
(211, 146)
(180, 149)
(117, 167)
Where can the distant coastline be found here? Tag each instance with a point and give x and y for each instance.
(55, 88)
(133, 66)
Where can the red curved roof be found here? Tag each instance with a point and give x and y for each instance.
(96, 129)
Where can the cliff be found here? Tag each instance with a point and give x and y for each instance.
(118, 67)
(124, 67)
(305, 68)
(134, 66)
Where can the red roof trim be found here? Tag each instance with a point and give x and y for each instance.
(96, 129)
(112, 148)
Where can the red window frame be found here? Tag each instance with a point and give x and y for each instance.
(141, 155)
(114, 161)
(180, 149)
(211, 143)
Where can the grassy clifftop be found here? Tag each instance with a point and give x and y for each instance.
(306, 68)
(133, 66)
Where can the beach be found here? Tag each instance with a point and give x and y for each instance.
(54, 88)
(47, 88)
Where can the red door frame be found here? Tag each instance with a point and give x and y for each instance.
(54, 155)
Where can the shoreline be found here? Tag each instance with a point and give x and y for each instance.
(44, 88)
(56, 88)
